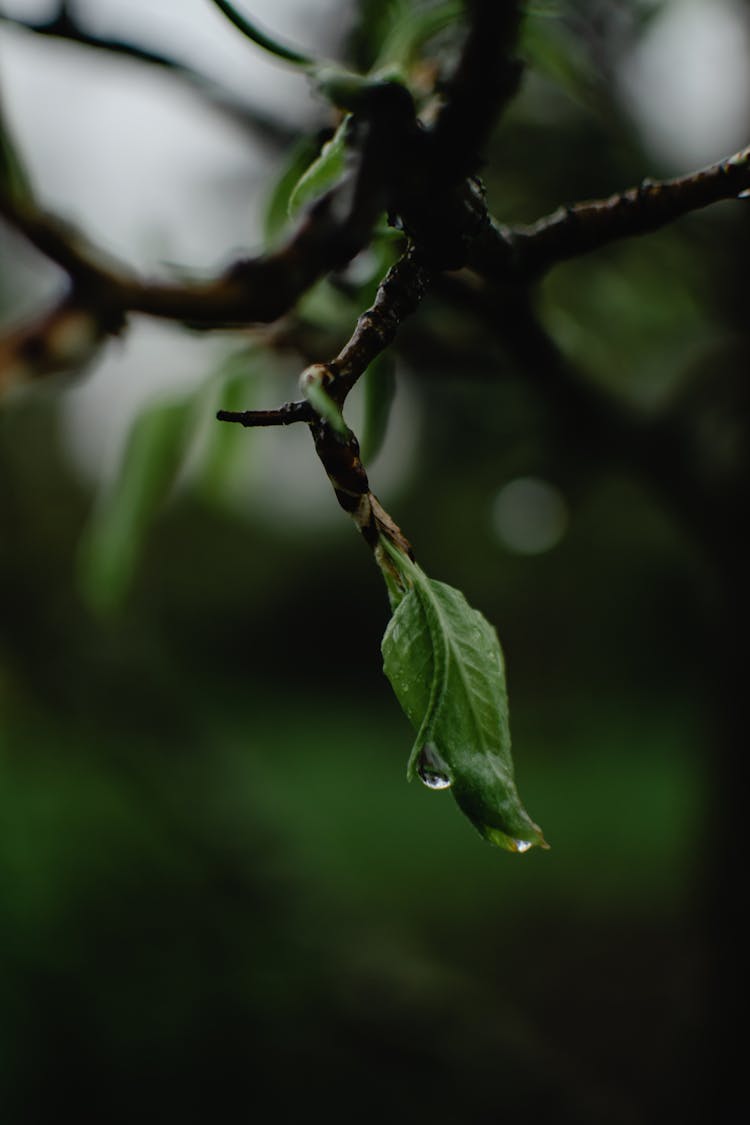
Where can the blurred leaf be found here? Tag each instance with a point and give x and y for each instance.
(661, 325)
(410, 27)
(233, 387)
(323, 172)
(551, 49)
(445, 664)
(375, 20)
(112, 543)
(328, 307)
(277, 207)
(379, 389)
(14, 181)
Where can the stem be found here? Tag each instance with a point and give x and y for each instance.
(252, 31)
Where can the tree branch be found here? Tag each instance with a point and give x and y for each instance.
(261, 289)
(398, 296)
(485, 80)
(256, 290)
(506, 254)
(65, 337)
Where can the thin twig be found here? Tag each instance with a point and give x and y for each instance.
(261, 38)
(398, 296)
(284, 415)
(343, 465)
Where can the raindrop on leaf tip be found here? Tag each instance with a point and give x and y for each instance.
(432, 770)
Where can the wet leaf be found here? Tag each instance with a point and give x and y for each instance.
(445, 664)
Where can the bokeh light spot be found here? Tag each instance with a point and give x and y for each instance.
(529, 516)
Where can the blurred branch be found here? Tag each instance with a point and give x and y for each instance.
(261, 38)
(526, 253)
(259, 290)
(66, 337)
(484, 81)
(60, 242)
(256, 290)
(66, 26)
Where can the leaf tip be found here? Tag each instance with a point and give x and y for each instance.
(515, 844)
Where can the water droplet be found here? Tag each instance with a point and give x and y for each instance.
(433, 780)
(432, 770)
(522, 845)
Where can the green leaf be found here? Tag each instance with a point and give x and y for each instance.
(327, 167)
(277, 209)
(445, 664)
(113, 540)
(411, 28)
(552, 49)
(14, 180)
(234, 386)
(313, 382)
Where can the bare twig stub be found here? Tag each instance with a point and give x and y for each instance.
(398, 296)
(284, 415)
